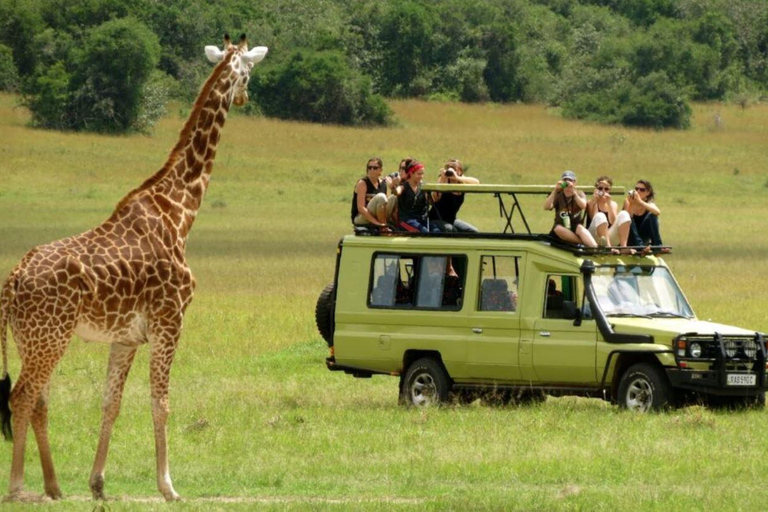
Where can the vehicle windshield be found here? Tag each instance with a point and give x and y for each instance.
(634, 290)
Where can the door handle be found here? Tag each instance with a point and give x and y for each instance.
(545, 334)
(477, 330)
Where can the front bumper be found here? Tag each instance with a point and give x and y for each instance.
(731, 361)
(714, 382)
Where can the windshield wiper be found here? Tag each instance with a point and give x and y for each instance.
(668, 314)
(627, 315)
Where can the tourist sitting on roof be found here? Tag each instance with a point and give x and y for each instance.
(412, 201)
(446, 204)
(645, 216)
(609, 226)
(370, 204)
(397, 177)
(569, 203)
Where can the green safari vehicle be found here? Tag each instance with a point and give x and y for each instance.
(525, 315)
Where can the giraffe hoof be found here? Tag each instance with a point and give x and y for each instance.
(172, 496)
(54, 493)
(97, 487)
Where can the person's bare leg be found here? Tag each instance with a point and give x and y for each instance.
(566, 235)
(585, 236)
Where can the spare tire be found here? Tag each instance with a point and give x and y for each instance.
(324, 314)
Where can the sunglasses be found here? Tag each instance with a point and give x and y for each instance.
(641, 189)
(603, 189)
(373, 167)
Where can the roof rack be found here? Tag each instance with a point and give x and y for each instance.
(576, 249)
(506, 196)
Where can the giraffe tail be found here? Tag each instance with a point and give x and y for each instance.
(6, 296)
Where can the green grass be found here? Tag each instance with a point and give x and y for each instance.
(258, 422)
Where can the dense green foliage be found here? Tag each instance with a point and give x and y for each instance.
(318, 87)
(99, 86)
(9, 77)
(576, 54)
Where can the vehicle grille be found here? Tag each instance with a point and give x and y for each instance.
(737, 348)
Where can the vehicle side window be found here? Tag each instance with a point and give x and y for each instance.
(386, 280)
(498, 283)
(418, 281)
(561, 296)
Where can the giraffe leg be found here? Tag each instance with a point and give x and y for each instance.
(120, 361)
(26, 405)
(21, 402)
(39, 422)
(161, 357)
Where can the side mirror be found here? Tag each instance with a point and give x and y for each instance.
(571, 312)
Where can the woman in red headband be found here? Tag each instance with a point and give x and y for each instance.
(412, 201)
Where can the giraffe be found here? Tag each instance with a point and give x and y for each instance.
(125, 282)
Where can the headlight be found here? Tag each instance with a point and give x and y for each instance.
(695, 350)
(750, 349)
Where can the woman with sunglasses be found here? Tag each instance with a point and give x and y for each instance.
(370, 204)
(645, 215)
(609, 226)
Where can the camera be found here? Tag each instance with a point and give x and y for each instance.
(450, 173)
(631, 193)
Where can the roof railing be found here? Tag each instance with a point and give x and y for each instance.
(506, 195)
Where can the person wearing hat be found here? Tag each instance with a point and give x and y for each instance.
(412, 201)
(569, 203)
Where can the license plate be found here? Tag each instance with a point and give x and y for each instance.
(741, 379)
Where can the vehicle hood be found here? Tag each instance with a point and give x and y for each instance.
(665, 329)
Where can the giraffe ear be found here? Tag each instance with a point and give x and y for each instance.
(213, 53)
(256, 54)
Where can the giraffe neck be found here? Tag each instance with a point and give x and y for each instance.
(177, 190)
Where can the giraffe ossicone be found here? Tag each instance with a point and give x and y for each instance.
(125, 282)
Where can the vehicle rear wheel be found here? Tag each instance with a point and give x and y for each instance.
(324, 314)
(425, 384)
(643, 388)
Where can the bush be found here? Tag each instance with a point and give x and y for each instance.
(50, 101)
(157, 90)
(406, 38)
(651, 101)
(9, 77)
(317, 87)
(465, 76)
(101, 86)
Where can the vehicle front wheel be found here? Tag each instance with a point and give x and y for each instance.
(643, 388)
(425, 384)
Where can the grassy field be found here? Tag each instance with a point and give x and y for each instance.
(258, 422)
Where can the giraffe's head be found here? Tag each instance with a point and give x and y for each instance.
(240, 61)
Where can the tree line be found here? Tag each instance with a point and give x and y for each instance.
(111, 65)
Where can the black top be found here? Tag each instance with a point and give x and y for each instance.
(412, 205)
(447, 207)
(370, 191)
(588, 217)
